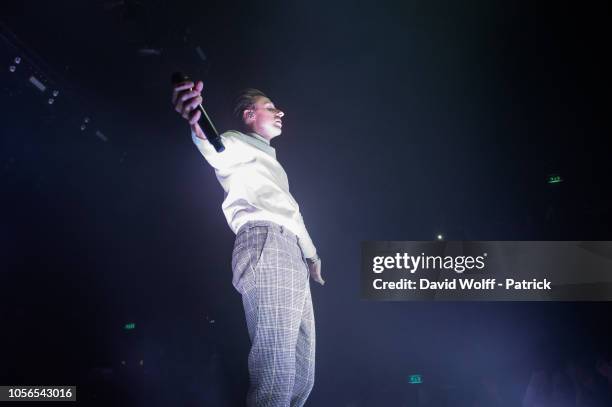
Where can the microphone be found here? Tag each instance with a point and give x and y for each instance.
(207, 125)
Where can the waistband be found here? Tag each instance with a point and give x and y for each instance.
(270, 225)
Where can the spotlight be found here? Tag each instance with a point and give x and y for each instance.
(145, 52)
(440, 237)
(101, 135)
(415, 379)
(55, 93)
(129, 326)
(17, 60)
(554, 179)
(201, 53)
(51, 100)
(12, 68)
(39, 85)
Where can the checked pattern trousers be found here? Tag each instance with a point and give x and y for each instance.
(272, 276)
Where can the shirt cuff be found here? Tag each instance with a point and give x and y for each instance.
(304, 241)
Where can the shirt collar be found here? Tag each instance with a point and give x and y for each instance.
(258, 142)
(257, 136)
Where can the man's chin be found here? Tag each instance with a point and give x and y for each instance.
(271, 131)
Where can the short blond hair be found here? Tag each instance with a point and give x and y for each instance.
(246, 100)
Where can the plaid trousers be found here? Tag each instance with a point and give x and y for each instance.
(272, 276)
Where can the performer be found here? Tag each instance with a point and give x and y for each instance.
(273, 257)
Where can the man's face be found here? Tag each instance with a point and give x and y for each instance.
(266, 119)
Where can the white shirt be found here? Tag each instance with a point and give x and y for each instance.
(255, 184)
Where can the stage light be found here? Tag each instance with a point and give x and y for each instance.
(149, 52)
(415, 379)
(554, 179)
(129, 326)
(84, 124)
(17, 60)
(39, 85)
(12, 68)
(55, 93)
(101, 135)
(51, 100)
(201, 53)
(440, 237)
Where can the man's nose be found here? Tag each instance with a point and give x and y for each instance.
(280, 113)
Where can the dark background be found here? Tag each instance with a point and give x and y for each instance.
(403, 120)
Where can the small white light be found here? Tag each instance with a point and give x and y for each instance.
(55, 93)
(201, 53)
(17, 60)
(83, 127)
(440, 237)
(86, 120)
(12, 68)
(101, 135)
(51, 100)
(34, 81)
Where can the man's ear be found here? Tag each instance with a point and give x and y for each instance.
(247, 115)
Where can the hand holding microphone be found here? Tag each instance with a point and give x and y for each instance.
(187, 101)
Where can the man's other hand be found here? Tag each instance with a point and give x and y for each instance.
(315, 271)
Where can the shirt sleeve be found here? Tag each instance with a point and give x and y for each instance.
(231, 156)
(304, 241)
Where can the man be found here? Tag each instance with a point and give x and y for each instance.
(273, 254)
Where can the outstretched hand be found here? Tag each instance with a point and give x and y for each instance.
(185, 98)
